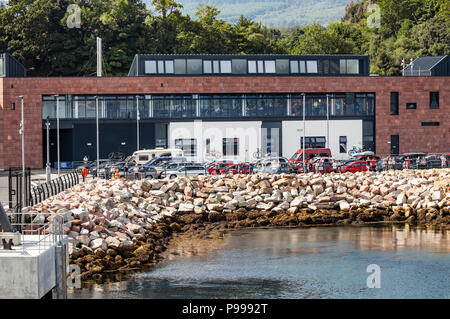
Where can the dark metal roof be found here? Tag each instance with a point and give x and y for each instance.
(10, 67)
(430, 65)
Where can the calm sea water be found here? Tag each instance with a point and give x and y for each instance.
(322, 262)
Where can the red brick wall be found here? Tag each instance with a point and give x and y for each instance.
(413, 137)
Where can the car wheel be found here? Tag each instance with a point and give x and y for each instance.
(173, 176)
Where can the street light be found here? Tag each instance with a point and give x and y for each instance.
(137, 122)
(97, 133)
(304, 129)
(328, 122)
(22, 133)
(47, 166)
(57, 132)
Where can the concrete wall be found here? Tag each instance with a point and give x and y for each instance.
(293, 131)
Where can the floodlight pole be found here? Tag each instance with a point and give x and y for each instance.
(137, 122)
(328, 122)
(57, 133)
(304, 130)
(22, 132)
(97, 134)
(47, 166)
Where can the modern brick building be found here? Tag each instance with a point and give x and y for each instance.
(234, 104)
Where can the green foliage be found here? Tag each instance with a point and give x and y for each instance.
(36, 33)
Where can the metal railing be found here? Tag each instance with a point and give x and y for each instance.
(37, 236)
(55, 186)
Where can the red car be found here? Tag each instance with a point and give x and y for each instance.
(219, 168)
(371, 159)
(356, 166)
(237, 169)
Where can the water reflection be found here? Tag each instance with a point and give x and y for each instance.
(318, 262)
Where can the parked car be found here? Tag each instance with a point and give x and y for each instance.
(356, 166)
(325, 167)
(433, 161)
(310, 153)
(381, 164)
(150, 172)
(276, 165)
(159, 161)
(237, 169)
(218, 168)
(169, 166)
(185, 171)
(101, 168)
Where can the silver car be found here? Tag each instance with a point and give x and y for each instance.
(275, 165)
(193, 170)
(160, 169)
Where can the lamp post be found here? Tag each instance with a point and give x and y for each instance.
(57, 133)
(47, 166)
(97, 133)
(22, 133)
(304, 130)
(137, 122)
(328, 122)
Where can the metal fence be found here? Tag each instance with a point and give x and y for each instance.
(36, 235)
(55, 186)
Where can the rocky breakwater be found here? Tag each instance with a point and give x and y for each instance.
(119, 225)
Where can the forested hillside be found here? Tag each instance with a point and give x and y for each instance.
(37, 34)
(273, 13)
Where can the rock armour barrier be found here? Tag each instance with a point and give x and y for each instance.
(119, 225)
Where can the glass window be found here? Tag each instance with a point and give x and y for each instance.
(434, 100)
(270, 66)
(80, 105)
(251, 66)
(220, 106)
(225, 66)
(208, 145)
(150, 67)
(188, 145)
(180, 66)
(411, 106)
(343, 66)
(394, 103)
(311, 66)
(2, 68)
(302, 66)
(207, 68)
(313, 142)
(239, 66)
(294, 66)
(353, 66)
(342, 144)
(194, 66)
(216, 67)
(49, 109)
(230, 146)
(169, 67)
(260, 66)
(160, 67)
(91, 107)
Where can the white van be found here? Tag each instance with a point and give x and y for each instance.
(145, 156)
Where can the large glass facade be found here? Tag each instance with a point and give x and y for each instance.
(262, 105)
(211, 106)
(221, 105)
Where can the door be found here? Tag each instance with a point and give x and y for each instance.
(271, 138)
(395, 144)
